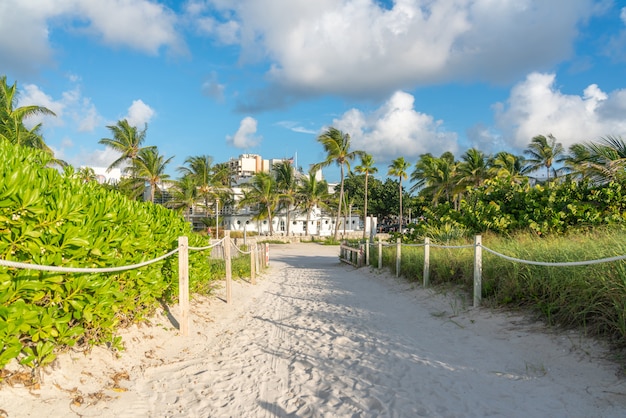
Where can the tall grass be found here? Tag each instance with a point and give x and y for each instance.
(592, 297)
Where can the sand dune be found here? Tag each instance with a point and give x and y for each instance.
(317, 338)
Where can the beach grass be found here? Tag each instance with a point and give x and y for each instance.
(592, 297)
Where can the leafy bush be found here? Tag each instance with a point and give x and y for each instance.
(54, 219)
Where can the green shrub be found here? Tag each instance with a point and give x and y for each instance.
(54, 219)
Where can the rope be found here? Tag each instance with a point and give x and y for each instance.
(240, 250)
(558, 264)
(38, 267)
(452, 246)
(207, 247)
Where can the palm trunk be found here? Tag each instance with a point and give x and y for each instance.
(269, 219)
(339, 207)
(365, 209)
(308, 220)
(400, 223)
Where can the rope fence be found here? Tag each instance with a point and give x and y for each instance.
(478, 247)
(183, 269)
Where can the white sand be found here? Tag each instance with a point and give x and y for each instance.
(317, 338)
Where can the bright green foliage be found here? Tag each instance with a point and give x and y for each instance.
(55, 219)
(504, 207)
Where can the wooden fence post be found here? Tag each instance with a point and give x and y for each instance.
(183, 285)
(367, 252)
(229, 272)
(252, 271)
(478, 270)
(398, 256)
(380, 254)
(426, 261)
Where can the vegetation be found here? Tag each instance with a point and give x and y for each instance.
(591, 297)
(56, 219)
(574, 212)
(337, 147)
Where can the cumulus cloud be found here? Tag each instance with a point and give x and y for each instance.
(536, 107)
(71, 109)
(139, 114)
(365, 47)
(396, 129)
(26, 25)
(245, 136)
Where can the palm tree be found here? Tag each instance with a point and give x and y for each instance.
(149, 166)
(435, 177)
(86, 174)
(473, 170)
(262, 192)
(398, 168)
(543, 152)
(184, 195)
(337, 147)
(12, 120)
(127, 140)
(209, 179)
(311, 194)
(287, 186)
(601, 161)
(507, 165)
(366, 167)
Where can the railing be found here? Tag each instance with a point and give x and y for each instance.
(351, 255)
(183, 269)
(478, 247)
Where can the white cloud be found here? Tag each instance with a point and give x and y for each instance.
(536, 107)
(139, 114)
(295, 127)
(26, 25)
(71, 109)
(396, 129)
(245, 136)
(360, 47)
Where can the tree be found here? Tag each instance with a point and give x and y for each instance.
(262, 192)
(337, 147)
(507, 165)
(435, 177)
(12, 126)
(287, 186)
(543, 152)
(601, 162)
(209, 179)
(149, 166)
(473, 170)
(398, 168)
(311, 194)
(127, 141)
(366, 167)
(184, 195)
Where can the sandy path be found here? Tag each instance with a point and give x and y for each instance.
(316, 338)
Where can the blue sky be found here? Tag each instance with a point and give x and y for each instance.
(404, 77)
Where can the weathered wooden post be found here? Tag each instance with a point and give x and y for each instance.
(426, 261)
(478, 270)
(183, 285)
(380, 254)
(367, 252)
(229, 272)
(398, 256)
(252, 271)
